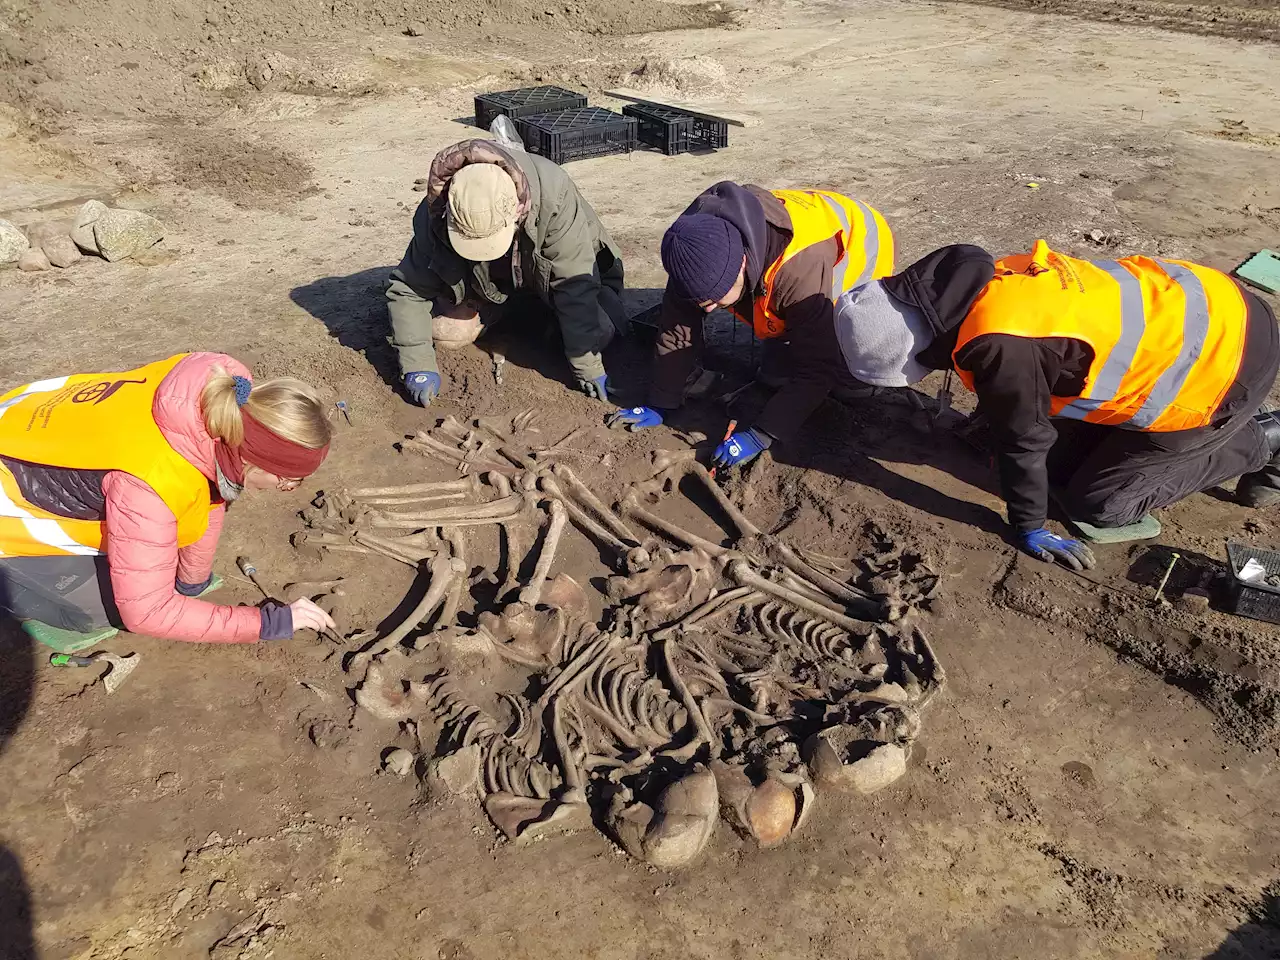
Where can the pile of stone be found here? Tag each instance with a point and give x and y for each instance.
(97, 230)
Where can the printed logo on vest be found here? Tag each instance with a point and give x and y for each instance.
(98, 392)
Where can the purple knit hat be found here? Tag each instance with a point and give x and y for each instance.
(702, 255)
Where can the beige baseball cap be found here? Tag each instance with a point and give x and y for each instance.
(482, 212)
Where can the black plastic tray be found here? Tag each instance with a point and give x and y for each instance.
(577, 134)
(1260, 601)
(673, 131)
(525, 102)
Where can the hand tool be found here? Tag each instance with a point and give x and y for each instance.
(118, 668)
(499, 361)
(344, 410)
(250, 570)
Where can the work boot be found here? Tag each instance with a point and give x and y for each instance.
(1262, 487)
(65, 641)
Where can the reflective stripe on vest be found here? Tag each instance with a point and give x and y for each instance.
(816, 217)
(1168, 337)
(93, 422)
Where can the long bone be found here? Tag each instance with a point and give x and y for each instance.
(629, 555)
(458, 547)
(631, 507)
(500, 509)
(741, 572)
(427, 446)
(511, 574)
(704, 734)
(532, 593)
(580, 490)
(465, 485)
(443, 570)
(717, 605)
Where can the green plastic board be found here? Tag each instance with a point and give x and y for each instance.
(1262, 270)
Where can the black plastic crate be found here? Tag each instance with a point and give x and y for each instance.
(673, 131)
(577, 134)
(1261, 601)
(525, 102)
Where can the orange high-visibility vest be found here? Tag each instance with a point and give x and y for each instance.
(1167, 335)
(865, 248)
(98, 422)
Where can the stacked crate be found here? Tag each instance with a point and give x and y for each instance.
(558, 124)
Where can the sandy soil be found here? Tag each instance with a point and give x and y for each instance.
(1097, 780)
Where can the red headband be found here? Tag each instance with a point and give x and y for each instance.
(270, 452)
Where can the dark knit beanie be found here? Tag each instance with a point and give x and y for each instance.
(702, 255)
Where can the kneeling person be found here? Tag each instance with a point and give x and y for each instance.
(114, 487)
(778, 260)
(496, 223)
(1119, 385)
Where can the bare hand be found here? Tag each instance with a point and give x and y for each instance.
(308, 616)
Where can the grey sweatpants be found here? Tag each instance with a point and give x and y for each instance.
(72, 593)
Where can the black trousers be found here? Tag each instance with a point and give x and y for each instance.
(1111, 477)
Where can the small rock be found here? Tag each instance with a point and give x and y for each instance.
(180, 901)
(33, 260)
(82, 229)
(1194, 600)
(399, 762)
(881, 767)
(419, 188)
(41, 233)
(122, 233)
(1097, 236)
(13, 242)
(416, 29)
(62, 251)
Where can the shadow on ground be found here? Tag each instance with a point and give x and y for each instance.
(1259, 937)
(17, 678)
(353, 309)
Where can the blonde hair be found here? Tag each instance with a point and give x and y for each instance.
(287, 407)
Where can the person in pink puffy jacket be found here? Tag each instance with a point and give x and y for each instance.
(113, 490)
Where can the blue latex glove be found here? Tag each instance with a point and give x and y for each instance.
(741, 447)
(276, 621)
(422, 387)
(634, 418)
(1048, 546)
(597, 389)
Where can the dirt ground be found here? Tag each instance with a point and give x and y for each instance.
(1097, 780)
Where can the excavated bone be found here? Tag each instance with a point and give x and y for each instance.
(767, 813)
(631, 507)
(465, 514)
(457, 544)
(742, 572)
(659, 591)
(829, 755)
(310, 588)
(565, 593)
(457, 773)
(531, 634)
(443, 571)
(630, 557)
(524, 818)
(399, 762)
(664, 460)
(675, 831)
(532, 592)
(580, 490)
(413, 490)
(384, 696)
